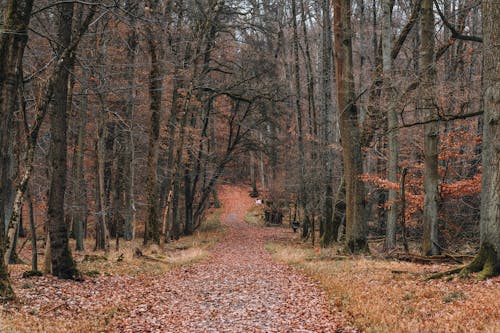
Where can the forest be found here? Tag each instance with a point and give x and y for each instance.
(256, 165)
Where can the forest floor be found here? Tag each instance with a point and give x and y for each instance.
(230, 284)
(241, 276)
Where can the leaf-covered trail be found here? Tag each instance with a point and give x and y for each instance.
(239, 289)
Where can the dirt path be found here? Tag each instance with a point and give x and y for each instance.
(240, 289)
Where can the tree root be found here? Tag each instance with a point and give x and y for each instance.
(485, 262)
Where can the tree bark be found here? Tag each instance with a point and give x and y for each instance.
(152, 227)
(31, 214)
(80, 192)
(62, 263)
(428, 77)
(488, 259)
(128, 154)
(12, 44)
(329, 235)
(356, 226)
(299, 115)
(392, 121)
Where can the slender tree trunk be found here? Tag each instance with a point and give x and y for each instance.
(392, 120)
(356, 226)
(62, 264)
(261, 167)
(253, 176)
(152, 226)
(31, 214)
(80, 192)
(12, 44)
(313, 124)
(128, 155)
(102, 234)
(298, 110)
(327, 125)
(428, 77)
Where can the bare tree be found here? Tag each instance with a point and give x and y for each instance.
(62, 263)
(430, 244)
(13, 40)
(356, 226)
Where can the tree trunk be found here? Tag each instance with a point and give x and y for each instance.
(102, 234)
(128, 154)
(298, 110)
(253, 176)
(392, 121)
(428, 77)
(80, 192)
(152, 227)
(488, 259)
(12, 44)
(332, 229)
(62, 262)
(188, 203)
(327, 125)
(31, 214)
(356, 226)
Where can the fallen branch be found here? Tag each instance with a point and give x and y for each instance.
(445, 258)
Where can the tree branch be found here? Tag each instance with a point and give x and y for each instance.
(398, 43)
(455, 34)
(445, 117)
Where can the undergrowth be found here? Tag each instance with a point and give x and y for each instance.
(392, 296)
(254, 216)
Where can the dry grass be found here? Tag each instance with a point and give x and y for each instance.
(254, 216)
(390, 296)
(45, 304)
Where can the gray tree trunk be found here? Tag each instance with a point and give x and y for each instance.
(299, 116)
(428, 77)
(62, 263)
(488, 259)
(12, 44)
(356, 226)
(128, 154)
(392, 120)
(329, 234)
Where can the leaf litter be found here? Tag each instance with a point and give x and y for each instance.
(239, 288)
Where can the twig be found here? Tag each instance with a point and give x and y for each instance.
(53, 308)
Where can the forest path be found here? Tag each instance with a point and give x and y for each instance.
(239, 289)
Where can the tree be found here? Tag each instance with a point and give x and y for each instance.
(152, 228)
(13, 40)
(62, 263)
(299, 116)
(488, 259)
(392, 122)
(356, 226)
(430, 243)
(331, 225)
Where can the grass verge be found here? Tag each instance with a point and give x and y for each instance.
(47, 304)
(391, 296)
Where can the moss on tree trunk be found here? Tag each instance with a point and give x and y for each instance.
(486, 263)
